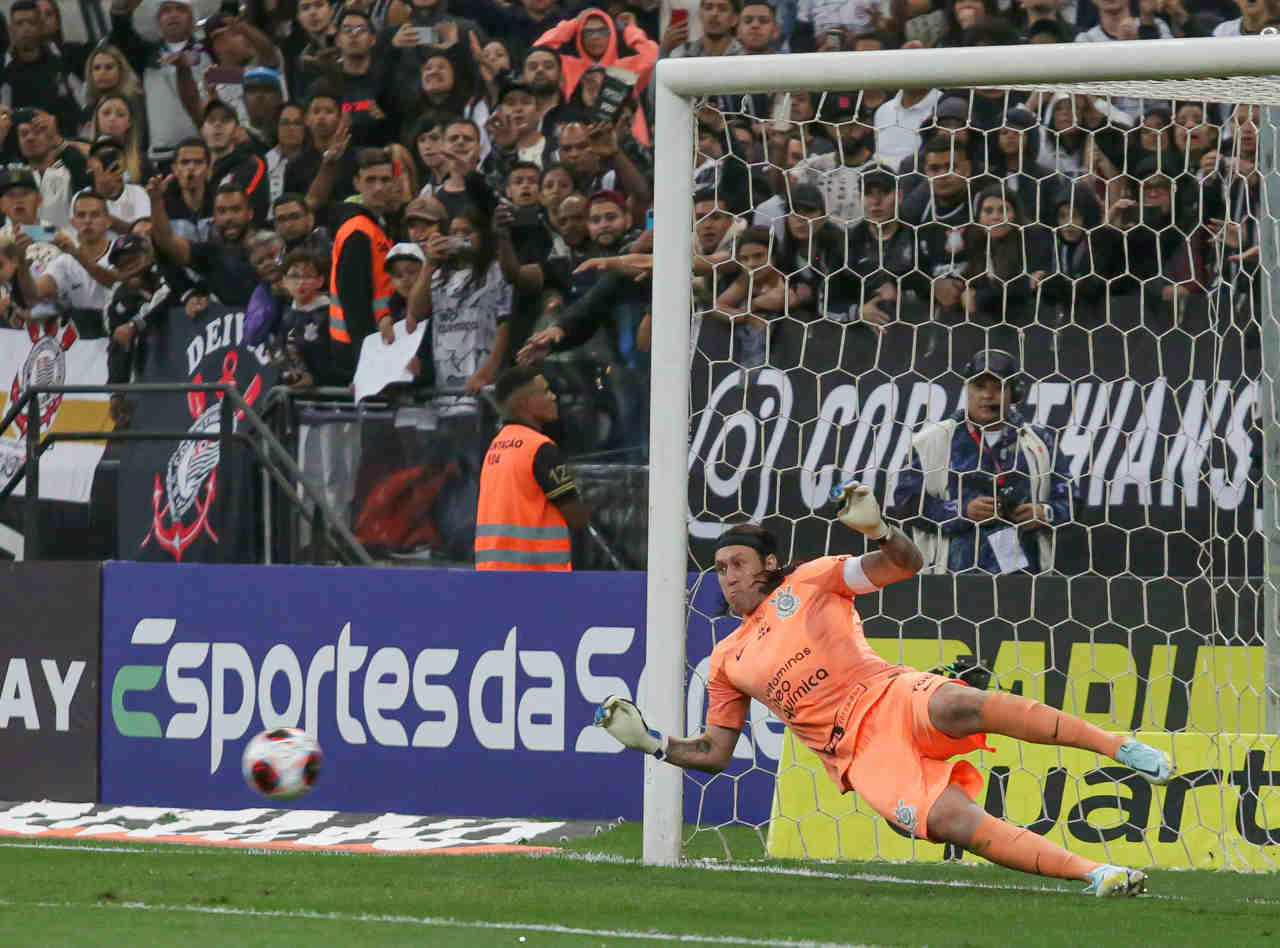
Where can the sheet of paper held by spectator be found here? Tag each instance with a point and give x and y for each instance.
(381, 363)
(1008, 550)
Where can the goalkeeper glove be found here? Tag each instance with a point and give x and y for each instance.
(860, 511)
(623, 720)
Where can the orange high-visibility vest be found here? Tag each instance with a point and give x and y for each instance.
(382, 289)
(517, 527)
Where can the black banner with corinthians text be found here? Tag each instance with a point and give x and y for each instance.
(182, 501)
(1157, 425)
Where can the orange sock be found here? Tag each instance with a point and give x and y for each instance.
(1019, 848)
(1027, 720)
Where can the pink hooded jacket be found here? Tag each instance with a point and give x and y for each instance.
(566, 39)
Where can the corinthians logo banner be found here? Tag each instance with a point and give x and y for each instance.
(1157, 426)
(181, 501)
(51, 352)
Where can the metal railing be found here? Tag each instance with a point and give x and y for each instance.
(282, 404)
(328, 529)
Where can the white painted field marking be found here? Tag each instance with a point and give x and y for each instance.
(428, 921)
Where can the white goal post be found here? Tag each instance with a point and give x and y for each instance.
(1207, 63)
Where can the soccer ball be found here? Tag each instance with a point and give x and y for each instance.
(282, 764)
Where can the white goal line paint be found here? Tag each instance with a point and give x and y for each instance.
(428, 921)
(708, 865)
(165, 849)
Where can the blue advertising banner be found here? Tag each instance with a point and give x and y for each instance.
(431, 691)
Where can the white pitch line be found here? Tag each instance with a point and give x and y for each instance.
(856, 876)
(215, 850)
(428, 921)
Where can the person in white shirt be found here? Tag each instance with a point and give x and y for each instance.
(1253, 18)
(172, 71)
(1117, 22)
(519, 106)
(898, 123)
(80, 278)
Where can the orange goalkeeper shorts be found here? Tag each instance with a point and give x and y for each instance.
(900, 763)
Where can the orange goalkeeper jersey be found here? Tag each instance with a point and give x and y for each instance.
(802, 652)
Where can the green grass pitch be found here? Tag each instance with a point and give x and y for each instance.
(593, 893)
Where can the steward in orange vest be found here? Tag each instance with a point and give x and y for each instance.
(359, 287)
(528, 500)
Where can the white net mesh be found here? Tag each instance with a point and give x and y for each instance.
(854, 251)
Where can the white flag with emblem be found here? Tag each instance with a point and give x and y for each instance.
(50, 353)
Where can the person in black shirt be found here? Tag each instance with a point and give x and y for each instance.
(224, 261)
(326, 125)
(188, 199)
(309, 50)
(881, 267)
(940, 209)
(364, 83)
(137, 303)
(296, 225)
(35, 72)
(235, 161)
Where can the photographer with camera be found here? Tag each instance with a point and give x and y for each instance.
(985, 489)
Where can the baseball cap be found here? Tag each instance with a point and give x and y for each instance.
(261, 76)
(953, 107)
(994, 362)
(129, 243)
(839, 105)
(107, 150)
(1021, 117)
(806, 197)
(406, 251)
(214, 23)
(425, 208)
(878, 178)
(514, 85)
(17, 176)
(609, 195)
(217, 105)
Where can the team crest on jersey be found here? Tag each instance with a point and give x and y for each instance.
(785, 602)
(905, 815)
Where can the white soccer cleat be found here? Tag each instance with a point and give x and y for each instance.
(1149, 761)
(1116, 882)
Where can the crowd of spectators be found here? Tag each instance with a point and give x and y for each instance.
(335, 168)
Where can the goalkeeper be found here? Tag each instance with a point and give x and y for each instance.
(885, 731)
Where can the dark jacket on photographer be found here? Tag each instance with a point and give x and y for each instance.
(952, 463)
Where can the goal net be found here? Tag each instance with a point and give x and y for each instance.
(861, 227)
